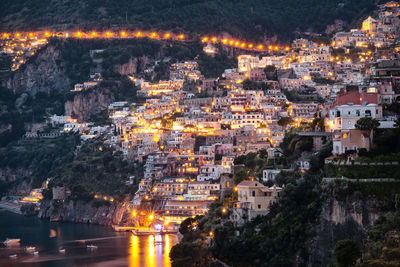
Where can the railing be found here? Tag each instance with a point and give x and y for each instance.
(364, 180)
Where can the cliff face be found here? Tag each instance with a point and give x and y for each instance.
(134, 65)
(83, 212)
(342, 217)
(44, 72)
(88, 103)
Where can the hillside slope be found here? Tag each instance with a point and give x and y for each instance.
(238, 17)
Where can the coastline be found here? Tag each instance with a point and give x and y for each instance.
(8, 206)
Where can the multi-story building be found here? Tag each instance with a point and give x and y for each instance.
(253, 199)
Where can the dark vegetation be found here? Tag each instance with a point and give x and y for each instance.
(37, 158)
(33, 110)
(96, 168)
(277, 239)
(242, 18)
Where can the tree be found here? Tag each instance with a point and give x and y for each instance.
(241, 175)
(347, 252)
(367, 124)
(285, 121)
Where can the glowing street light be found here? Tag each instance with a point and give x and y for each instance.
(133, 213)
(181, 37)
(108, 34)
(236, 189)
(94, 34)
(123, 34)
(151, 217)
(167, 35)
(139, 34)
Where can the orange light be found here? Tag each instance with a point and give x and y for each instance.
(153, 35)
(5, 35)
(167, 35)
(30, 34)
(250, 46)
(47, 34)
(139, 34)
(17, 35)
(236, 188)
(270, 47)
(205, 39)
(78, 34)
(276, 48)
(94, 34)
(211, 234)
(243, 45)
(181, 36)
(260, 47)
(287, 48)
(236, 43)
(123, 34)
(108, 34)
(214, 39)
(231, 42)
(151, 217)
(133, 213)
(224, 41)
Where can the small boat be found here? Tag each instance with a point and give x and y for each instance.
(12, 241)
(141, 232)
(30, 249)
(61, 250)
(14, 256)
(91, 247)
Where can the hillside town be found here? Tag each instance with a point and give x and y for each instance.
(189, 131)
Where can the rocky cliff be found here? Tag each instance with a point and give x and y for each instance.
(344, 215)
(134, 65)
(44, 72)
(89, 103)
(83, 212)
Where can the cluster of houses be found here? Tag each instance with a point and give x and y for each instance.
(187, 137)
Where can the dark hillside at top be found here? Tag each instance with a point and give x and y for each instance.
(254, 19)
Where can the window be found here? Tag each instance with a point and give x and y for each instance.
(259, 206)
(253, 193)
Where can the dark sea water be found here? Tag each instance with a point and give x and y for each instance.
(114, 249)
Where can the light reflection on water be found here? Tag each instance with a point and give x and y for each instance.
(114, 249)
(150, 250)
